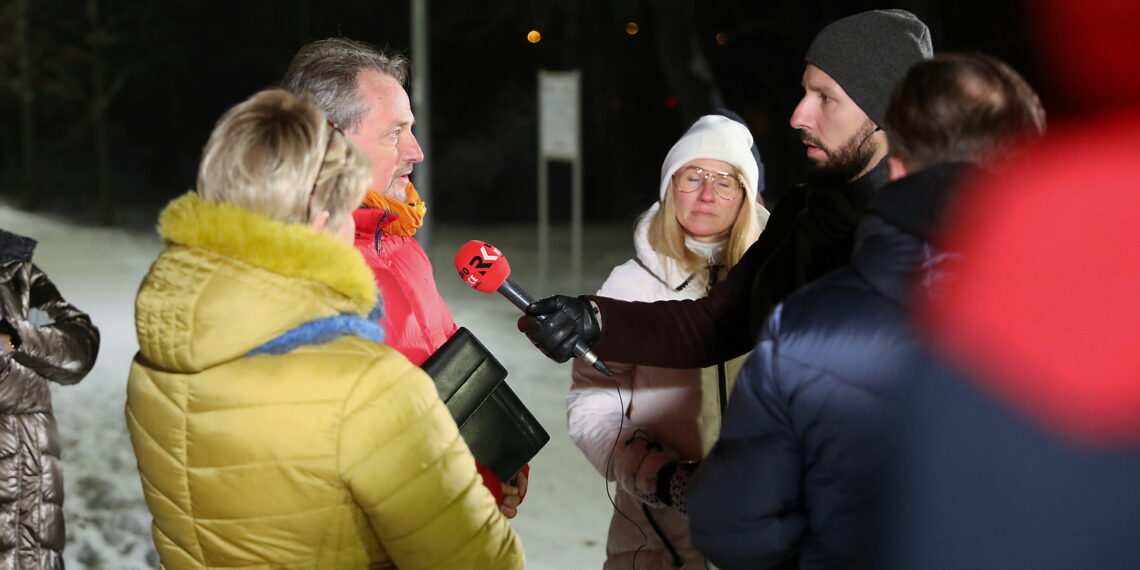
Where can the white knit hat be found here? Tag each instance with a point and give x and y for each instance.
(714, 137)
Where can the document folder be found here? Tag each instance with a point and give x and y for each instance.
(502, 434)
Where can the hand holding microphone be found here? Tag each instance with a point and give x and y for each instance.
(559, 326)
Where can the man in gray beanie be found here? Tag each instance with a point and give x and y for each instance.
(851, 67)
(805, 450)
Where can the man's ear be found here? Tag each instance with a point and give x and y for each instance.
(896, 168)
(319, 221)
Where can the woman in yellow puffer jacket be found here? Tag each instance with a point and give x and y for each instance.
(271, 427)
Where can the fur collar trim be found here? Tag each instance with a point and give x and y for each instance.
(293, 250)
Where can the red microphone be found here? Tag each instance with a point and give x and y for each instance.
(484, 268)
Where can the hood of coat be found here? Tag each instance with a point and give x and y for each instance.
(667, 269)
(15, 251)
(229, 280)
(893, 245)
(14, 246)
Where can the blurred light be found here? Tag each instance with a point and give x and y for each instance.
(721, 38)
(670, 101)
(533, 36)
(631, 28)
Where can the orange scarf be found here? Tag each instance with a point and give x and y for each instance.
(409, 214)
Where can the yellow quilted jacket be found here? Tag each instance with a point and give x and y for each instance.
(333, 452)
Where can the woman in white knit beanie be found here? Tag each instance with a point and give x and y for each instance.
(648, 420)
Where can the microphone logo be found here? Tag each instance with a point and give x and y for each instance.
(482, 266)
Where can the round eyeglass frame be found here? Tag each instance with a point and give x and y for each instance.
(707, 177)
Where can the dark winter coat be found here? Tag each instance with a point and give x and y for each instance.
(810, 233)
(53, 341)
(805, 441)
(1022, 445)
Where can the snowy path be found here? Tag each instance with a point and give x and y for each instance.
(564, 520)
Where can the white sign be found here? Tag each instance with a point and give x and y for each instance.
(559, 114)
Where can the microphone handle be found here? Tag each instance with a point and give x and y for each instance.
(515, 294)
(587, 355)
(519, 298)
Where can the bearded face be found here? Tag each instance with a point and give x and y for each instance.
(845, 161)
(839, 138)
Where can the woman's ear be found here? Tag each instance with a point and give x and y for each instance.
(319, 221)
(896, 168)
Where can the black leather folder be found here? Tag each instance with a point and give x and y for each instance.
(502, 434)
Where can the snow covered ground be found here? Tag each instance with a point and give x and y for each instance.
(564, 520)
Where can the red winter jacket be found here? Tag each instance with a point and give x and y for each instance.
(416, 320)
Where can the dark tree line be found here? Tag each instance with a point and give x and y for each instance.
(105, 104)
(70, 61)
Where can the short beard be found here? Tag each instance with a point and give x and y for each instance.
(846, 162)
(398, 194)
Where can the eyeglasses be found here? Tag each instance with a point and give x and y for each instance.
(333, 130)
(692, 178)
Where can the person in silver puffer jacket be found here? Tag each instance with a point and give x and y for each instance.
(42, 338)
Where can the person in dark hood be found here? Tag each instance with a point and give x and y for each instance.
(806, 442)
(1022, 439)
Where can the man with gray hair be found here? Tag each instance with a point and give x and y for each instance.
(361, 90)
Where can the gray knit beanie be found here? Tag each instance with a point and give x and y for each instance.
(868, 53)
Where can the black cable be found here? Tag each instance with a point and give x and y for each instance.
(609, 469)
(677, 561)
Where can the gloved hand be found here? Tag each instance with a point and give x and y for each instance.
(555, 324)
(673, 480)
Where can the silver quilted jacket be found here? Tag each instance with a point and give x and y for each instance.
(53, 341)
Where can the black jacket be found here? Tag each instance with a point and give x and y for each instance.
(806, 438)
(810, 233)
(54, 341)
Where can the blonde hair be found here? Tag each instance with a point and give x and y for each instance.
(277, 155)
(667, 237)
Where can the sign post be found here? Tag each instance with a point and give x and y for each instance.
(559, 133)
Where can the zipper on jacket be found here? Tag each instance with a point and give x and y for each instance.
(721, 373)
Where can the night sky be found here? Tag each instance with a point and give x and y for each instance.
(171, 67)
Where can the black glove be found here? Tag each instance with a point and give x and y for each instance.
(555, 324)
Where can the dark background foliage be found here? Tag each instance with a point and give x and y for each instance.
(125, 92)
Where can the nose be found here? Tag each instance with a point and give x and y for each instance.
(801, 115)
(707, 194)
(410, 150)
